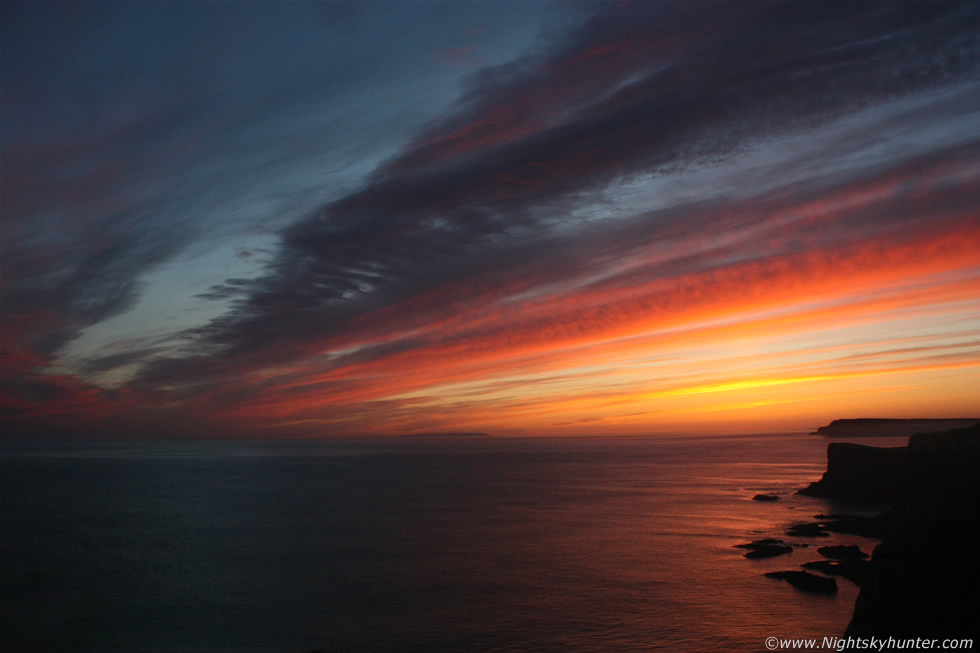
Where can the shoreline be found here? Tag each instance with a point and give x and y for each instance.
(923, 577)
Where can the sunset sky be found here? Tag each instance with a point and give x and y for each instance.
(524, 218)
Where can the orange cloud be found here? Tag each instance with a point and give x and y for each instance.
(666, 347)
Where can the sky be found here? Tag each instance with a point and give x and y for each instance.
(316, 219)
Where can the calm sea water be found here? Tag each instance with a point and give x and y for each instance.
(408, 545)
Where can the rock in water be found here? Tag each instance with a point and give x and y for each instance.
(768, 551)
(852, 570)
(765, 548)
(755, 543)
(842, 552)
(806, 581)
(807, 530)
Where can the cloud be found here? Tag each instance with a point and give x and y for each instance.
(650, 162)
(646, 89)
(132, 133)
(496, 331)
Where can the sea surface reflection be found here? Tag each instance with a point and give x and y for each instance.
(408, 545)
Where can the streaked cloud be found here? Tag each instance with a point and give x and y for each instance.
(641, 214)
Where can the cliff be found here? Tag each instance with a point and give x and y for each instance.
(865, 427)
(857, 471)
(924, 578)
(932, 466)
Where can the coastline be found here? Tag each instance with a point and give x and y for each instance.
(923, 578)
(875, 427)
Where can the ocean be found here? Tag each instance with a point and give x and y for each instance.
(409, 544)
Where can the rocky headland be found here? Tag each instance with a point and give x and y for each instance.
(932, 467)
(874, 427)
(923, 579)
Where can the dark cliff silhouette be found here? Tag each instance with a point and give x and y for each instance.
(940, 466)
(874, 427)
(923, 580)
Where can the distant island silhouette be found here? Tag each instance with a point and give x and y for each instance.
(438, 434)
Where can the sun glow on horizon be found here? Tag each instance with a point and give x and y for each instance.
(790, 359)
